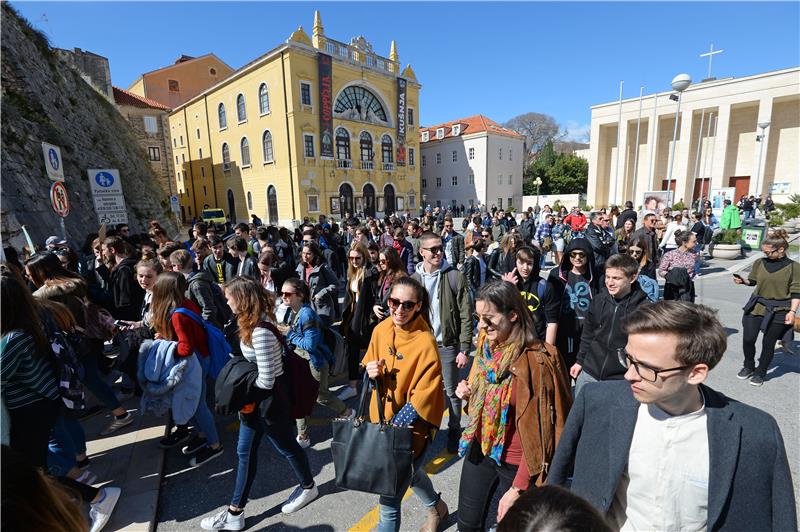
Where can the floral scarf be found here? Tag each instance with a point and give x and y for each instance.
(490, 400)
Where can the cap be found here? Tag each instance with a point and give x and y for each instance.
(53, 241)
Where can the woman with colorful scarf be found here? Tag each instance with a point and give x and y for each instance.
(518, 399)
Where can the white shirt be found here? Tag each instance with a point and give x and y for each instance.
(665, 486)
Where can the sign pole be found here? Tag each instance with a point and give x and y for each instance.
(63, 228)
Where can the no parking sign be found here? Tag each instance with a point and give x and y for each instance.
(59, 199)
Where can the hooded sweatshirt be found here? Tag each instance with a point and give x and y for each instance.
(431, 283)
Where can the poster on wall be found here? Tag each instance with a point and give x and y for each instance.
(325, 70)
(718, 197)
(780, 188)
(335, 206)
(656, 200)
(402, 85)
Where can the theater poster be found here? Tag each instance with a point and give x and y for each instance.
(402, 85)
(325, 66)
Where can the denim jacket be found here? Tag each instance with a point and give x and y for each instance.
(306, 334)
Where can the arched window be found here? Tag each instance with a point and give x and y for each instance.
(272, 205)
(223, 119)
(366, 147)
(386, 149)
(342, 144)
(249, 200)
(266, 144)
(263, 99)
(226, 156)
(245, 148)
(358, 103)
(241, 112)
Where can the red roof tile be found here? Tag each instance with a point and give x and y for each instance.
(123, 97)
(470, 125)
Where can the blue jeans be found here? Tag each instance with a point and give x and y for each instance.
(203, 419)
(66, 441)
(389, 512)
(97, 385)
(252, 429)
(450, 376)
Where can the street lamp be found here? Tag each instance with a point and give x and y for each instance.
(679, 84)
(760, 138)
(538, 183)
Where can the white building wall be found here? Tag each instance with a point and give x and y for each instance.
(505, 167)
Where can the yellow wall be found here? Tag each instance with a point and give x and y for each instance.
(304, 175)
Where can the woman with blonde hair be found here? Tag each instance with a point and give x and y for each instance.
(357, 321)
(518, 399)
(270, 416)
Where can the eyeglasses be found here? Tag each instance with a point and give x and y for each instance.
(435, 249)
(632, 251)
(408, 306)
(577, 254)
(478, 318)
(647, 373)
(772, 252)
(357, 257)
(485, 235)
(382, 261)
(288, 294)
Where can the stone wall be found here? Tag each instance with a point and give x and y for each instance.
(94, 67)
(163, 167)
(44, 100)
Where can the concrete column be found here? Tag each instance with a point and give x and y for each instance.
(594, 165)
(682, 155)
(645, 181)
(719, 147)
(616, 193)
(757, 185)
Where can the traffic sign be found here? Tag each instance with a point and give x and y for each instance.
(109, 200)
(59, 199)
(53, 162)
(174, 203)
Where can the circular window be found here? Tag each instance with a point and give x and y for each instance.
(212, 71)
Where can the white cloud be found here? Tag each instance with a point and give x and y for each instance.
(577, 132)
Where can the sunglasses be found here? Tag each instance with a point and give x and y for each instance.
(357, 257)
(288, 294)
(408, 306)
(382, 261)
(478, 318)
(577, 254)
(485, 235)
(635, 251)
(435, 250)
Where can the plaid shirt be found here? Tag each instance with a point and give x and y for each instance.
(543, 230)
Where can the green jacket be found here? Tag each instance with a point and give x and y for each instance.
(730, 218)
(455, 308)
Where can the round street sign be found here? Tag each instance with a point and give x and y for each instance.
(59, 199)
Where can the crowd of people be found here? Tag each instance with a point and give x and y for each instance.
(436, 316)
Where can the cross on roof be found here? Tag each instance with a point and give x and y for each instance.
(710, 54)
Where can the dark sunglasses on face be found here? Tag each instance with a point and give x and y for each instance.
(408, 306)
(435, 249)
(288, 294)
(577, 254)
(357, 257)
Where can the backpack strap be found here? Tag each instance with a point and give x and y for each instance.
(452, 280)
(191, 314)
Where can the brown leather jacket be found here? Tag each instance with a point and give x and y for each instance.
(543, 402)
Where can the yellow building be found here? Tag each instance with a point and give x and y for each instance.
(311, 127)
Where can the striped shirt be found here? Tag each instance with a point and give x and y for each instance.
(267, 353)
(26, 376)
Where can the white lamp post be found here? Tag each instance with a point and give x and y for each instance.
(759, 172)
(538, 183)
(679, 84)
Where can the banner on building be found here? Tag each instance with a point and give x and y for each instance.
(109, 202)
(325, 69)
(656, 201)
(402, 85)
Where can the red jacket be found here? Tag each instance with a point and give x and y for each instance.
(576, 221)
(191, 335)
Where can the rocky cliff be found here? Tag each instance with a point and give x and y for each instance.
(44, 100)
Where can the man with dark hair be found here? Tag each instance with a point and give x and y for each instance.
(627, 214)
(247, 265)
(603, 330)
(453, 243)
(165, 252)
(202, 289)
(219, 263)
(127, 294)
(663, 451)
(600, 238)
(648, 233)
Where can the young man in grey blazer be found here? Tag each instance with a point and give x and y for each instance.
(662, 451)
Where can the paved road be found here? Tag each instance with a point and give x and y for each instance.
(187, 496)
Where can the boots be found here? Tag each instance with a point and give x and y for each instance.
(436, 515)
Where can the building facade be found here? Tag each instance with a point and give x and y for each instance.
(175, 84)
(311, 127)
(742, 133)
(149, 121)
(93, 68)
(471, 161)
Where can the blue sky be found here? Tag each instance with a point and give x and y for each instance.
(497, 59)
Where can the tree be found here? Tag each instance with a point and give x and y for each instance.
(537, 128)
(561, 173)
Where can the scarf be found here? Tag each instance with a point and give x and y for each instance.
(491, 398)
(398, 247)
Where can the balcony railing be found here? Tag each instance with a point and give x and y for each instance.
(344, 163)
(389, 167)
(367, 165)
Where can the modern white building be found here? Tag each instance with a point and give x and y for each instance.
(742, 133)
(471, 161)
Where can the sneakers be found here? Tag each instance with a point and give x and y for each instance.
(224, 520)
(196, 442)
(304, 442)
(100, 511)
(756, 380)
(117, 424)
(174, 439)
(453, 435)
(744, 373)
(348, 393)
(205, 454)
(87, 477)
(299, 498)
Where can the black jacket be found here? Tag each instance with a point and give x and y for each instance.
(126, 292)
(652, 241)
(236, 386)
(357, 318)
(472, 271)
(229, 267)
(603, 333)
(627, 214)
(249, 268)
(204, 291)
(603, 244)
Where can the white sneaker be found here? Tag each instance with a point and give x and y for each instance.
(100, 512)
(305, 443)
(87, 477)
(224, 520)
(117, 424)
(299, 498)
(348, 393)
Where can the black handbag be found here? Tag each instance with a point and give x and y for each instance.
(371, 457)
